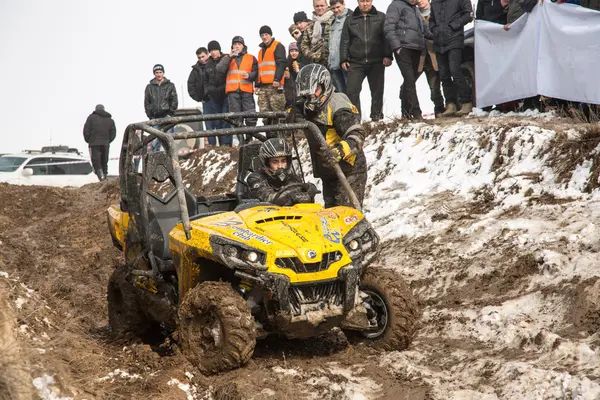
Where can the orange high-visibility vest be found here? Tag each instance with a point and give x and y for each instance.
(266, 64)
(235, 81)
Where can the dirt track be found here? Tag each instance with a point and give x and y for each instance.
(498, 316)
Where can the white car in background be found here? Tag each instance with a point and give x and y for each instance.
(52, 166)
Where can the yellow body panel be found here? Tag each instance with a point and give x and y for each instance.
(118, 222)
(312, 228)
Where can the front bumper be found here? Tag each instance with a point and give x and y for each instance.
(306, 310)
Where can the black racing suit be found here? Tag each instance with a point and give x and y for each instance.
(338, 120)
(267, 188)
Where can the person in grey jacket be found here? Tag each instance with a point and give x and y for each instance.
(405, 31)
(338, 75)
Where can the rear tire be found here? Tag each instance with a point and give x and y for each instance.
(124, 313)
(216, 329)
(393, 306)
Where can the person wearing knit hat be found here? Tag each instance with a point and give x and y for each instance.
(301, 20)
(213, 45)
(160, 98)
(315, 39)
(272, 62)
(291, 72)
(214, 85)
(241, 73)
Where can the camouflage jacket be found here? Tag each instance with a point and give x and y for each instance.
(316, 51)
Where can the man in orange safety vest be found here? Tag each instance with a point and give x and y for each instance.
(242, 72)
(272, 61)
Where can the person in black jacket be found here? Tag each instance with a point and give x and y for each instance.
(291, 73)
(364, 52)
(405, 31)
(446, 22)
(491, 10)
(160, 98)
(214, 91)
(99, 131)
(195, 82)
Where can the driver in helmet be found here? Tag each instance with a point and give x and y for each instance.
(339, 122)
(269, 183)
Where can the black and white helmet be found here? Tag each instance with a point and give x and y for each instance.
(276, 147)
(309, 78)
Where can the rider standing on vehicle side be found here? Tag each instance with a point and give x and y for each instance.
(269, 182)
(339, 122)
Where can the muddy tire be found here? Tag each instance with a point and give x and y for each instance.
(215, 327)
(394, 307)
(124, 312)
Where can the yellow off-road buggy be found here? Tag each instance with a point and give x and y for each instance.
(223, 271)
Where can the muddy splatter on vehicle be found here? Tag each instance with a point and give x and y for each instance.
(224, 271)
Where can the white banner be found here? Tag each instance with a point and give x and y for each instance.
(553, 51)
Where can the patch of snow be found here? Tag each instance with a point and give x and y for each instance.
(119, 374)
(46, 389)
(191, 392)
(3, 274)
(285, 371)
(19, 302)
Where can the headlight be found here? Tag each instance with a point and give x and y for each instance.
(251, 256)
(353, 245)
(230, 251)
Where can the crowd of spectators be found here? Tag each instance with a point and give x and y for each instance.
(353, 44)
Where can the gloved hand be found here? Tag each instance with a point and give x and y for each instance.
(335, 153)
(291, 115)
(311, 189)
(301, 197)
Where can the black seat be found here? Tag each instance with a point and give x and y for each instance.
(163, 215)
(246, 164)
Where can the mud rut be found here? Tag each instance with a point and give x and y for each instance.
(58, 255)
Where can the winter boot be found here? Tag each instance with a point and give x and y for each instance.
(465, 110)
(100, 175)
(450, 111)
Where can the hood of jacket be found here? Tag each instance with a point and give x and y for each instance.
(102, 113)
(198, 66)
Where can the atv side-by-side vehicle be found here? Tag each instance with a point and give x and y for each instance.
(221, 272)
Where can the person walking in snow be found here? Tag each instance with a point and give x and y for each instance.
(315, 40)
(98, 132)
(339, 122)
(446, 22)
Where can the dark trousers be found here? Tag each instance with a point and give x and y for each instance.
(335, 195)
(453, 80)
(408, 62)
(215, 107)
(241, 102)
(99, 156)
(375, 74)
(340, 80)
(435, 88)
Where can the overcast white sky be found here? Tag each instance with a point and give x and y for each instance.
(60, 58)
